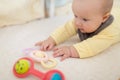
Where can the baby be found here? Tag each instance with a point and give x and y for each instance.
(93, 23)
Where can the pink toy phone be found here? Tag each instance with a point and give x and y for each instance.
(25, 66)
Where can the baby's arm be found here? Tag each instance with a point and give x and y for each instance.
(58, 36)
(98, 43)
(64, 32)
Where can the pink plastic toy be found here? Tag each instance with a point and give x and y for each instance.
(25, 66)
(40, 56)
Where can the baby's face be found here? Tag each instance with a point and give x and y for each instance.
(87, 15)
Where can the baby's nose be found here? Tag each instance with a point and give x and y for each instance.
(78, 22)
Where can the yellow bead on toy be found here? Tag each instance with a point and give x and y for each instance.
(22, 66)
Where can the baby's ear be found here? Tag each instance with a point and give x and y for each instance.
(106, 16)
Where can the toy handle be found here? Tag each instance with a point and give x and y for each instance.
(37, 73)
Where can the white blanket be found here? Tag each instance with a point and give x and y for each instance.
(20, 11)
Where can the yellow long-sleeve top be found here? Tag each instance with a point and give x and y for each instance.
(93, 45)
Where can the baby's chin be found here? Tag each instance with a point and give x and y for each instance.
(82, 31)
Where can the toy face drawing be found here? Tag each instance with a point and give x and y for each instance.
(22, 66)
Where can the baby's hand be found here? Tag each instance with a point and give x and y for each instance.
(47, 44)
(65, 52)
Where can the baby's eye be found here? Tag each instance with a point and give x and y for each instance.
(84, 19)
(75, 16)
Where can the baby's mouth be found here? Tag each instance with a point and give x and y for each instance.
(81, 29)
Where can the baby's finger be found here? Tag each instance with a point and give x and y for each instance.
(56, 48)
(45, 47)
(50, 47)
(64, 57)
(38, 43)
(42, 48)
(60, 53)
(55, 55)
(57, 51)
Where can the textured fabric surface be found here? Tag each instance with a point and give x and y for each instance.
(20, 11)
